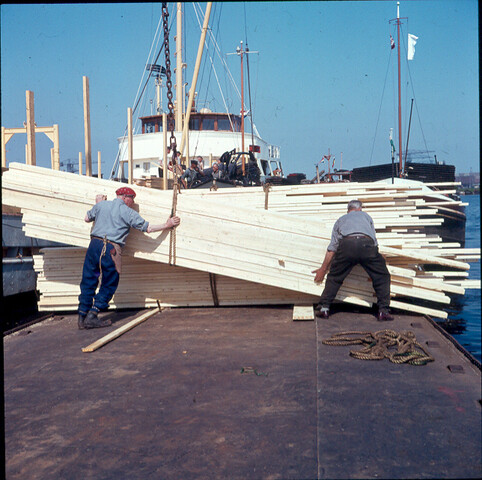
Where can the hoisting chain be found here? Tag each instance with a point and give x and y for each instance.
(377, 345)
(171, 126)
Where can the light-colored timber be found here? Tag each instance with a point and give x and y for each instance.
(120, 331)
(247, 243)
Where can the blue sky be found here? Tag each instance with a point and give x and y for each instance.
(316, 83)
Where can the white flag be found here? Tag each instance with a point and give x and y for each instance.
(412, 40)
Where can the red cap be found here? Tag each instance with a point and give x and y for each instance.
(125, 191)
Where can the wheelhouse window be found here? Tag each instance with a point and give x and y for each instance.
(194, 124)
(265, 166)
(150, 127)
(208, 123)
(224, 123)
(237, 124)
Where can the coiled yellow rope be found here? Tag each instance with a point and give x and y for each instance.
(377, 346)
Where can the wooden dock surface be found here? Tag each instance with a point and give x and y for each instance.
(238, 393)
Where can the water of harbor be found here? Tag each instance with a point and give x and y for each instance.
(464, 320)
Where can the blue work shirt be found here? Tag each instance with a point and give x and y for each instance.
(349, 224)
(113, 220)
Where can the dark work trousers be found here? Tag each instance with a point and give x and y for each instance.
(96, 254)
(352, 251)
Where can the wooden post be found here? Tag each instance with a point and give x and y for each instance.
(88, 155)
(26, 153)
(210, 159)
(187, 150)
(129, 145)
(80, 163)
(99, 163)
(4, 149)
(56, 165)
(52, 161)
(165, 171)
(30, 128)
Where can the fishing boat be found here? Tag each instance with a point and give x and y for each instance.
(198, 132)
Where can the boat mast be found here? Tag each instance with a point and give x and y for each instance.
(179, 99)
(400, 157)
(195, 76)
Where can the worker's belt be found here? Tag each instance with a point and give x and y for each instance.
(358, 235)
(108, 241)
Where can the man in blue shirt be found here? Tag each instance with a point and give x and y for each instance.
(353, 241)
(113, 221)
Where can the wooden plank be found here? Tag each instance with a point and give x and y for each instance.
(301, 312)
(120, 331)
(251, 245)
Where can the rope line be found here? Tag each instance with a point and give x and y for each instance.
(214, 290)
(376, 346)
(172, 237)
(102, 253)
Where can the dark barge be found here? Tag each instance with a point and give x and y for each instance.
(236, 393)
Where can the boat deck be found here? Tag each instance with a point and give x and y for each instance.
(168, 400)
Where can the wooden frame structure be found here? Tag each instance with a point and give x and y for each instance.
(30, 128)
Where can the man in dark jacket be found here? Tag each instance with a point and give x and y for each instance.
(353, 241)
(113, 221)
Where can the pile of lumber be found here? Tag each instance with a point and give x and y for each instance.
(143, 283)
(250, 243)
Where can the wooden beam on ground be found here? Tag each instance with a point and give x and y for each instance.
(120, 331)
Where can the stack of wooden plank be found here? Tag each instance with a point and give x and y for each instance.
(143, 283)
(247, 243)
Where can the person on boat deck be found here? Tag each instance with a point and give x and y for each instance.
(217, 172)
(200, 162)
(113, 221)
(353, 241)
(192, 173)
(214, 172)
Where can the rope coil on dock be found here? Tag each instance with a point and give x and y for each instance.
(376, 346)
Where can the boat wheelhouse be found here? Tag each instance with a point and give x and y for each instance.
(210, 135)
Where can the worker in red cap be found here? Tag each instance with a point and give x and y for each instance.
(102, 264)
